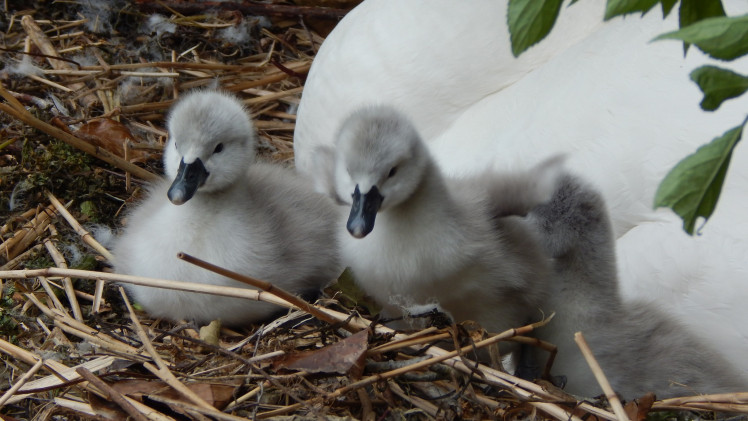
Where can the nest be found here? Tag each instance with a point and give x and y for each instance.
(85, 88)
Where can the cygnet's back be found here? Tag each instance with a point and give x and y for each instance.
(415, 238)
(640, 348)
(222, 206)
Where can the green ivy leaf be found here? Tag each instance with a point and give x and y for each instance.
(667, 6)
(692, 11)
(725, 38)
(692, 187)
(718, 85)
(530, 21)
(624, 7)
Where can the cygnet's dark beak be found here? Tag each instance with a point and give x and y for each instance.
(363, 212)
(189, 178)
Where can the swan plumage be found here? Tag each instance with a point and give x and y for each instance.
(619, 106)
(640, 348)
(415, 238)
(222, 205)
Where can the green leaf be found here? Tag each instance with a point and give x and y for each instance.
(724, 38)
(692, 11)
(692, 187)
(718, 85)
(530, 21)
(667, 6)
(624, 7)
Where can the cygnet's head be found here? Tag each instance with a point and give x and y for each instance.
(379, 162)
(211, 143)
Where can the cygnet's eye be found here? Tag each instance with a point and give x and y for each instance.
(219, 148)
(392, 173)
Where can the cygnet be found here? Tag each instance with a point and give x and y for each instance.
(640, 348)
(221, 205)
(414, 237)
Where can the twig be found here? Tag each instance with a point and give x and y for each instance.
(103, 154)
(162, 371)
(246, 293)
(88, 239)
(29, 374)
(46, 47)
(112, 394)
(27, 234)
(246, 8)
(85, 235)
(613, 398)
(263, 285)
(67, 282)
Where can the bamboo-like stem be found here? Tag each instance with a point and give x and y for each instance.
(85, 235)
(263, 285)
(51, 294)
(610, 394)
(45, 46)
(29, 374)
(74, 327)
(28, 233)
(14, 262)
(67, 281)
(161, 370)
(249, 294)
(103, 154)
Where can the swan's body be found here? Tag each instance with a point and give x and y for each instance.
(621, 108)
(253, 218)
(423, 239)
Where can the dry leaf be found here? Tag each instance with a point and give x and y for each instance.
(341, 357)
(638, 409)
(217, 394)
(113, 136)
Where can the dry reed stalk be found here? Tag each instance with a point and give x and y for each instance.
(78, 143)
(112, 394)
(264, 286)
(196, 410)
(12, 391)
(300, 69)
(67, 282)
(50, 83)
(396, 343)
(274, 96)
(161, 370)
(23, 217)
(610, 394)
(83, 331)
(61, 373)
(88, 239)
(51, 294)
(27, 234)
(249, 294)
(45, 46)
(423, 404)
(14, 262)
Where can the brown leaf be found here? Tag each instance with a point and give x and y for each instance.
(217, 394)
(113, 136)
(638, 409)
(341, 357)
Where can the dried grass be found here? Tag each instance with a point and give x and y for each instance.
(72, 345)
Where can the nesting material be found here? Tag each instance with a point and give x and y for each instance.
(72, 345)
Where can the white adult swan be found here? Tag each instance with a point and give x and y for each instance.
(621, 108)
(250, 217)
